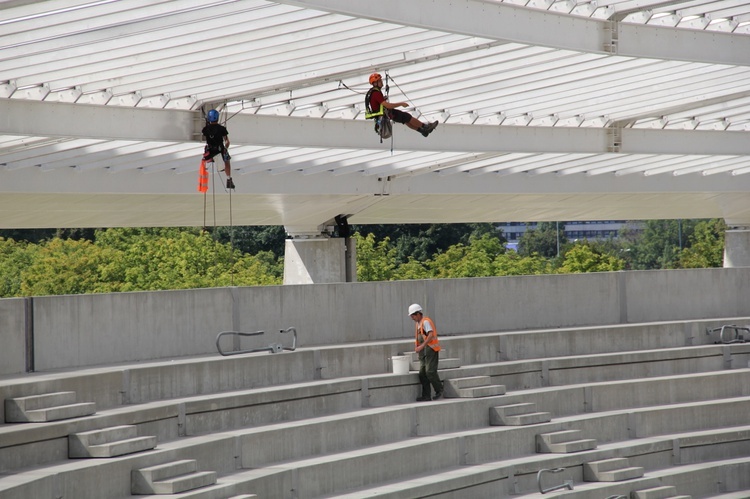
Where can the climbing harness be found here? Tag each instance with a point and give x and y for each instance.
(383, 124)
(203, 187)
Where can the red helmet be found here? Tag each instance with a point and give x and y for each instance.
(375, 77)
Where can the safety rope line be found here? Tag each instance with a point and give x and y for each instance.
(214, 174)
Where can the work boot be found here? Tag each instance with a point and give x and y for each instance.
(438, 395)
(230, 184)
(427, 129)
(423, 399)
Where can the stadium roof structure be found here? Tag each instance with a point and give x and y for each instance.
(548, 110)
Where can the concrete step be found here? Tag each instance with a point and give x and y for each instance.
(664, 492)
(469, 382)
(46, 407)
(611, 470)
(518, 415)
(219, 490)
(619, 475)
(60, 412)
(481, 391)
(121, 447)
(170, 478)
(108, 442)
(563, 442)
(449, 363)
(472, 387)
(185, 483)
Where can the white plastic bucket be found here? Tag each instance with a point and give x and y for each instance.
(400, 364)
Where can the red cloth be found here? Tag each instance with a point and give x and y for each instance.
(203, 178)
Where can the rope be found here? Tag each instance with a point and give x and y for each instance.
(213, 190)
(231, 241)
(205, 195)
(342, 84)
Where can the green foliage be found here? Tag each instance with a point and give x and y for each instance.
(131, 260)
(252, 239)
(511, 263)
(14, 258)
(375, 260)
(587, 258)
(135, 259)
(706, 245)
(422, 241)
(544, 240)
(65, 266)
(413, 269)
(475, 260)
(660, 243)
(484, 256)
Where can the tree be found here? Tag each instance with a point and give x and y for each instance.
(544, 240)
(28, 235)
(15, 257)
(511, 263)
(474, 260)
(375, 260)
(413, 269)
(151, 259)
(422, 241)
(706, 245)
(65, 266)
(254, 239)
(586, 258)
(660, 244)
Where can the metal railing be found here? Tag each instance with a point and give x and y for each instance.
(567, 484)
(737, 337)
(273, 347)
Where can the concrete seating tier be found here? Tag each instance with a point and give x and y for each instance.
(278, 451)
(108, 442)
(46, 407)
(472, 387)
(611, 470)
(325, 435)
(444, 362)
(170, 478)
(518, 415)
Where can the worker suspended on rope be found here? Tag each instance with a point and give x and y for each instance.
(378, 107)
(217, 141)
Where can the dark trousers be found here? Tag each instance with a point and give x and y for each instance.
(428, 366)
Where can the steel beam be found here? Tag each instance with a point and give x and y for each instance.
(504, 21)
(33, 118)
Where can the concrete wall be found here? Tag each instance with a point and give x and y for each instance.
(12, 336)
(85, 330)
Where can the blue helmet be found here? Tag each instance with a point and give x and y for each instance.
(213, 116)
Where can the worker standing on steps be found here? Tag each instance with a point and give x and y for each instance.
(217, 141)
(377, 104)
(428, 348)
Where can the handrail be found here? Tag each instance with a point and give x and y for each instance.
(738, 338)
(567, 484)
(273, 347)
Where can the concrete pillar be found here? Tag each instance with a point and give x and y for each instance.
(737, 245)
(320, 259)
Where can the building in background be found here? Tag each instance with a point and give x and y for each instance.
(599, 229)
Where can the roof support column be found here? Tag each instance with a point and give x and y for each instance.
(737, 245)
(313, 256)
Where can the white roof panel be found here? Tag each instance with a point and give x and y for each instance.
(105, 99)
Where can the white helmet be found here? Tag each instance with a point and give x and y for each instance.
(414, 308)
